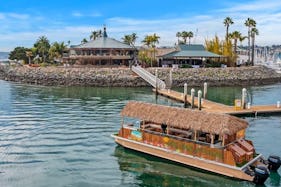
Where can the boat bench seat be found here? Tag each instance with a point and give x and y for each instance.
(245, 145)
(238, 153)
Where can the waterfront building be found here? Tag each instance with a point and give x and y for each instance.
(101, 51)
(194, 55)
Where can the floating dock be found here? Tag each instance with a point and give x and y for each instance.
(210, 106)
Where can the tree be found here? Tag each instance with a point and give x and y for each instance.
(29, 54)
(223, 47)
(184, 35)
(95, 34)
(178, 35)
(190, 35)
(250, 23)
(227, 22)
(42, 45)
(254, 32)
(19, 53)
(151, 41)
(84, 41)
(235, 35)
(130, 39)
(56, 51)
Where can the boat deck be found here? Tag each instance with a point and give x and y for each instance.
(211, 106)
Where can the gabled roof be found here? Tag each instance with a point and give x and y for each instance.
(189, 51)
(184, 118)
(191, 47)
(104, 43)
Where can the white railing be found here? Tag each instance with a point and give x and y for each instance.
(148, 77)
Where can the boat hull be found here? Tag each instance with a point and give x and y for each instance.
(212, 166)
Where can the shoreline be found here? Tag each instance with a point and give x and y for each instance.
(124, 77)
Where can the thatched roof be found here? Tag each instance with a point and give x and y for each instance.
(184, 118)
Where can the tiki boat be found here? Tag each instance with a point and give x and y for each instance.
(209, 141)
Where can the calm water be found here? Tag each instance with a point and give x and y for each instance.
(52, 136)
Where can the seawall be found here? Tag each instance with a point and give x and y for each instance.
(124, 77)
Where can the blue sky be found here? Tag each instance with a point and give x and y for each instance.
(23, 21)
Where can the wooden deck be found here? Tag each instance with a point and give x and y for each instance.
(211, 106)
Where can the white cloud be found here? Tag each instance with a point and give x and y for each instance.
(2, 16)
(266, 13)
(253, 6)
(18, 16)
(79, 14)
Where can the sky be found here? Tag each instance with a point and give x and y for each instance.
(22, 22)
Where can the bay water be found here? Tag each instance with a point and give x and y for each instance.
(60, 136)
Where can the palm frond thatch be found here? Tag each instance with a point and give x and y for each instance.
(184, 118)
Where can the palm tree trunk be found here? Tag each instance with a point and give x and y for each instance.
(249, 45)
(253, 50)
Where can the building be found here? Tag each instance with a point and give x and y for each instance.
(194, 55)
(101, 51)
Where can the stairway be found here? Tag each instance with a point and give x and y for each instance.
(148, 77)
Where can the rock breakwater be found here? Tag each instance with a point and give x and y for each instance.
(124, 77)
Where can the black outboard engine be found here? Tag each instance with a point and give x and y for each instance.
(261, 174)
(274, 162)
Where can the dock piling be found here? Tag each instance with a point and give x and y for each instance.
(156, 78)
(243, 101)
(185, 94)
(199, 99)
(192, 93)
(205, 90)
(171, 78)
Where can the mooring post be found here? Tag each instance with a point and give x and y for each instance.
(185, 94)
(192, 93)
(205, 90)
(156, 85)
(243, 101)
(199, 99)
(171, 78)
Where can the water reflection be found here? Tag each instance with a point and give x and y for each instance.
(274, 179)
(152, 171)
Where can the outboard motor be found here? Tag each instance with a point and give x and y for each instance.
(261, 174)
(274, 162)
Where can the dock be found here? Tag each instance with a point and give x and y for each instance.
(206, 105)
(210, 106)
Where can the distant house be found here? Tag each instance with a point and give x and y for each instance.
(193, 54)
(101, 51)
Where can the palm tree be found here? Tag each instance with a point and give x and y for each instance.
(227, 22)
(250, 23)
(130, 39)
(95, 34)
(190, 35)
(235, 35)
(29, 54)
(84, 41)
(178, 35)
(184, 35)
(254, 32)
(57, 50)
(154, 40)
(42, 45)
(151, 41)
